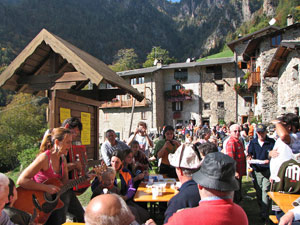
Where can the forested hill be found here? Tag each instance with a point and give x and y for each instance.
(190, 28)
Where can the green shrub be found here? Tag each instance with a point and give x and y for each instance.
(27, 156)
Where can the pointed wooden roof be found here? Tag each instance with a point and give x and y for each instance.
(49, 62)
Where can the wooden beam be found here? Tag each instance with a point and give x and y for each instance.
(279, 60)
(272, 74)
(99, 95)
(71, 76)
(39, 79)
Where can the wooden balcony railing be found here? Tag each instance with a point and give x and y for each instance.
(124, 101)
(179, 95)
(253, 80)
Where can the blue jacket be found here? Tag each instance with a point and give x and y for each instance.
(261, 153)
(188, 197)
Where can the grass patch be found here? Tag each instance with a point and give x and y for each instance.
(14, 174)
(226, 53)
(249, 203)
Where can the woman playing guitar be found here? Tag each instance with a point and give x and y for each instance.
(51, 163)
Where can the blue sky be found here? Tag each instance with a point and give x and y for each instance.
(174, 0)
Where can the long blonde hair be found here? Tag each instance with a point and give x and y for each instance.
(49, 139)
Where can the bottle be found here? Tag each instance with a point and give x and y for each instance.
(78, 160)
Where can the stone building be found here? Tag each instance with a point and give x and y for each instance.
(284, 66)
(254, 53)
(177, 93)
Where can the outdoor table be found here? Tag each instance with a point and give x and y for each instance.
(283, 200)
(144, 194)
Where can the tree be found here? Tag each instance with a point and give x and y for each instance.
(125, 59)
(22, 124)
(159, 54)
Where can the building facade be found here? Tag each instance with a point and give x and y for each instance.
(179, 93)
(256, 55)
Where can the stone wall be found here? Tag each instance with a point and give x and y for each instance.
(289, 84)
(268, 104)
(119, 119)
(190, 107)
(211, 95)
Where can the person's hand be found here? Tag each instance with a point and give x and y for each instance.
(287, 219)
(52, 189)
(150, 222)
(91, 176)
(266, 161)
(249, 157)
(168, 145)
(146, 173)
(274, 153)
(78, 166)
(140, 176)
(237, 175)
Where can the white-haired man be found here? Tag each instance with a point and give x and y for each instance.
(4, 190)
(235, 149)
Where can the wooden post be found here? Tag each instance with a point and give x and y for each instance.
(132, 111)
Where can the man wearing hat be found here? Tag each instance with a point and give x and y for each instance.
(186, 162)
(259, 149)
(216, 183)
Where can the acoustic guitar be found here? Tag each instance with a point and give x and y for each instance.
(45, 203)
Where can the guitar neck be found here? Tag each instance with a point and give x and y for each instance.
(72, 184)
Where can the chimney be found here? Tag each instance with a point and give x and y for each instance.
(159, 64)
(290, 20)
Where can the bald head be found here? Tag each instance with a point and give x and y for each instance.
(108, 209)
(104, 204)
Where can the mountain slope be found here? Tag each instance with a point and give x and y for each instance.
(190, 28)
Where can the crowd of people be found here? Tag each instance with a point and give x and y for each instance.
(209, 162)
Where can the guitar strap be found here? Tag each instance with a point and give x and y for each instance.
(60, 166)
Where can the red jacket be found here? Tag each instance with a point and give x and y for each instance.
(211, 212)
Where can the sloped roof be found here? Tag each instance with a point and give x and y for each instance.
(280, 56)
(254, 43)
(48, 54)
(206, 62)
(255, 34)
(138, 71)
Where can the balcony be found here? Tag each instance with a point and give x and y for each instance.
(179, 95)
(253, 80)
(125, 101)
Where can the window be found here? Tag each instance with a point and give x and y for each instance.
(180, 74)
(248, 101)
(217, 70)
(295, 72)
(176, 87)
(220, 87)
(137, 80)
(143, 115)
(206, 106)
(220, 105)
(275, 41)
(177, 106)
(133, 81)
(141, 80)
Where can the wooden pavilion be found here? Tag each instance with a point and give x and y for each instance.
(51, 67)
